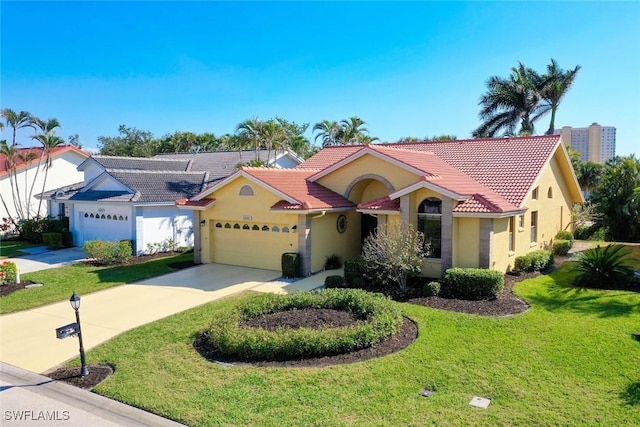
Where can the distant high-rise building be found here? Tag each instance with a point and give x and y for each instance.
(594, 143)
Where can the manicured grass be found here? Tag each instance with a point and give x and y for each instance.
(13, 248)
(569, 360)
(59, 283)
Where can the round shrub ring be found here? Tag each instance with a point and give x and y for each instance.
(377, 318)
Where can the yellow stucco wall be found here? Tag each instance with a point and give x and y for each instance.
(340, 179)
(326, 240)
(260, 249)
(466, 242)
(502, 260)
(372, 190)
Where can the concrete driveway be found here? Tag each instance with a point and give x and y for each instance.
(28, 338)
(40, 258)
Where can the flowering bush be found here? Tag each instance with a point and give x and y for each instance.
(8, 272)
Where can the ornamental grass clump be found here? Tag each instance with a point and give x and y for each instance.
(604, 268)
(376, 316)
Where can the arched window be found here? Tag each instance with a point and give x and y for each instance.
(294, 228)
(265, 228)
(227, 225)
(246, 190)
(275, 229)
(255, 227)
(115, 218)
(91, 216)
(120, 218)
(285, 229)
(430, 224)
(550, 193)
(86, 215)
(102, 216)
(236, 226)
(218, 225)
(246, 227)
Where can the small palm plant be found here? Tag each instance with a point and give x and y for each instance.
(604, 268)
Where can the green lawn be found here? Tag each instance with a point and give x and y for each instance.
(59, 283)
(569, 360)
(13, 248)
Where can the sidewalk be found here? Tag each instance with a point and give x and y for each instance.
(29, 399)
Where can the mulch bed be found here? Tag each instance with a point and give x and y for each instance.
(407, 334)
(9, 288)
(97, 374)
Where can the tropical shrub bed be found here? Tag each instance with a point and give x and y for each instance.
(376, 317)
(471, 283)
(608, 267)
(105, 253)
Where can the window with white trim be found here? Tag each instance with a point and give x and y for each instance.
(430, 224)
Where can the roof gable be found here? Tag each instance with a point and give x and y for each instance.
(37, 151)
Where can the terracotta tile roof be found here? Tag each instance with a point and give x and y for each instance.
(37, 151)
(476, 204)
(507, 166)
(293, 183)
(381, 204)
(195, 203)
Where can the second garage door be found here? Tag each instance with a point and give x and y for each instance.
(252, 244)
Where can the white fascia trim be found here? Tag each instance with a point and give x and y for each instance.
(310, 211)
(429, 185)
(251, 178)
(195, 208)
(360, 153)
(377, 212)
(100, 178)
(488, 215)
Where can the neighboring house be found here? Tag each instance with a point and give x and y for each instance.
(479, 202)
(63, 171)
(132, 198)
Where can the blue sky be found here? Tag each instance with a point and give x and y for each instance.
(407, 69)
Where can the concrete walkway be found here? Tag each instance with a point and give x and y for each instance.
(30, 399)
(40, 258)
(28, 337)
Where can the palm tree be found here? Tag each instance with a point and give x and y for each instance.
(354, 132)
(555, 84)
(249, 133)
(589, 175)
(328, 131)
(49, 142)
(509, 102)
(16, 121)
(10, 153)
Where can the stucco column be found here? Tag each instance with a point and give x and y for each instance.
(486, 242)
(304, 243)
(446, 258)
(406, 213)
(197, 233)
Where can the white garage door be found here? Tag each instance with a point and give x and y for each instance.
(105, 226)
(252, 244)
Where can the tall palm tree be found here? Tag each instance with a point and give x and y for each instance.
(509, 102)
(10, 152)
(589, 176)
(354, 132)
(555, 84)
(49, 141)
(16, 121)
(328, 131)
(249, 131)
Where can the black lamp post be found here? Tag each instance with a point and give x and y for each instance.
(75, 303)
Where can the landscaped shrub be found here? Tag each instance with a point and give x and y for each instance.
(561, 247)
(108, 252)
(471, 283)
(431, 289)
(333, 262)
(67, 239)
(52, 240)
(564, 235)
(534, 261)
(290, 264)
(378, 317)
(583, 232)
(8, 272)
(31, 229)
(606, 268)
(354, 269)
(334, 282)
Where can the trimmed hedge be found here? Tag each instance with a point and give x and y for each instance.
(67, 239)
(334, 282)
(52, 240)
(471, 283)
(378, 317)
(109, 252)
(534, 261)
(354, 271)
(290, 264)
(565, 235)
(561, 247)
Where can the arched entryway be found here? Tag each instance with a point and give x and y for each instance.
(365, 189)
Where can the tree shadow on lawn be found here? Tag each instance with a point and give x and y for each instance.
(562, 295)
(141, 268)
(632, 394)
